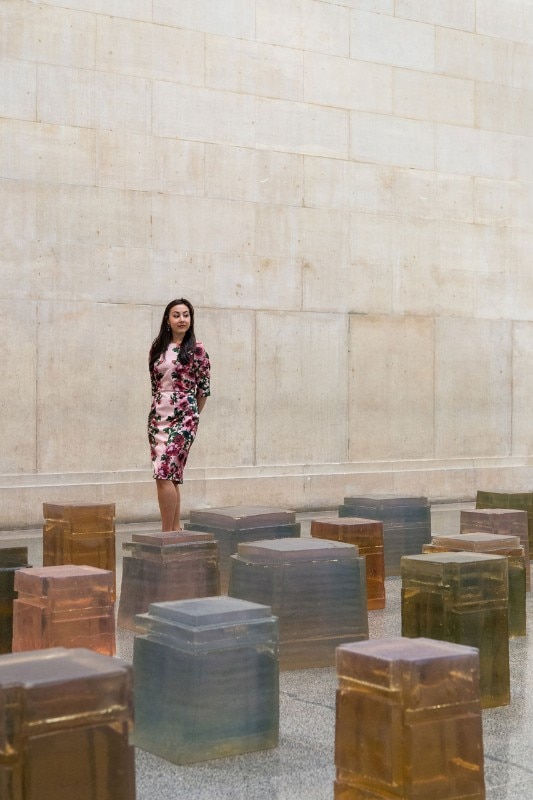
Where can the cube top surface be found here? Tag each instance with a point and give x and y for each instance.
(47, 580)
(458, 558)
(13, 557)
(385, 500)
(56, 665)
(242, 517)
(289, 550)
(342, 522)
(405, 649)
(478, 541)
(172, 537)
(209, 611)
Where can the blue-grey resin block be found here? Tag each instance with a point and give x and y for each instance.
(406, 524)
(206, 679)
(317, 589)
(236, 524)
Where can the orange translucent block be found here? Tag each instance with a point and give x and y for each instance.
(79, 533)
(236, 524)
(11, 559)
(64, 606)
(206, 679)
(502, 521)
(462, 598)
(508, 546)
(406, 523)
(517, 501)
(367, 535)
(316, 588)
(408, 722)
(159, 567)
(65, 716)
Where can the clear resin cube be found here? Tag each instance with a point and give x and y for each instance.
(408, 722)
(234, 525)
(64, 606)
(501, 521)
(158, 567)
(462, 598)
(65, 716)
(316, 588)
(367, 536)
(11, 559)
(406, 524)
(206, 679)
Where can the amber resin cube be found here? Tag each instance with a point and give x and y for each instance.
(206, 679)
(408, 722)
(502, 521)
(64, 606)
(517, 501)
(11, 559)
(367, 535)
(406, 524)
(235, 524)
(462, 598)
(79, 533)
(159, 567)
(316, 588)
(65, 716)
(508, 546)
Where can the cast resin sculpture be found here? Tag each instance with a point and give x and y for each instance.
(11, 559)
(65, 606)
(206, 679)
(521, 501)
(367, 535)
(501, 546)
(502, 521)
(235, 524)
(462, 598)
(316, 588)
(79, 533)
(406, 524)
(158, 567)
(64, 722)
(408, 723)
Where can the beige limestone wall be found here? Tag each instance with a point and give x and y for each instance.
(343, 188)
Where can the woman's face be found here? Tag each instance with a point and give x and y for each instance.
(179, 319)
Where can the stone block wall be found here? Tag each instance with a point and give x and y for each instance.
(344, 190)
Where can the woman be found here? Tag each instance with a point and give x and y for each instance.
(179, 371)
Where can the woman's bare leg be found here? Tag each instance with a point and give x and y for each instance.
(168, 502)
(176, 519)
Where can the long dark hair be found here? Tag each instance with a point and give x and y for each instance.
(164, 337)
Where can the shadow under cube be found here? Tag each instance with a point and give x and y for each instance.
(11, 560)
(408, 722)
(508, 546)
(406, 524)
(236, 524)
(206, 679)
(462, 598)
(160, 567)
(367, 536)
(79, 533)
(64, 722)
(316, 588)
(64, 606)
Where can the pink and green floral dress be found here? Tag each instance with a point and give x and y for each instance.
(173, 417)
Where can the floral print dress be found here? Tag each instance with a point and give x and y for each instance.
(173, 417)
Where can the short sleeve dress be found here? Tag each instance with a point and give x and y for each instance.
(173, 417)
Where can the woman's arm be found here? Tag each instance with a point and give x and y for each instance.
(200, 399)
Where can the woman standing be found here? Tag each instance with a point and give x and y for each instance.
(179, 372)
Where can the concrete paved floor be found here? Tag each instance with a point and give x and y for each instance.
(302, 767)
